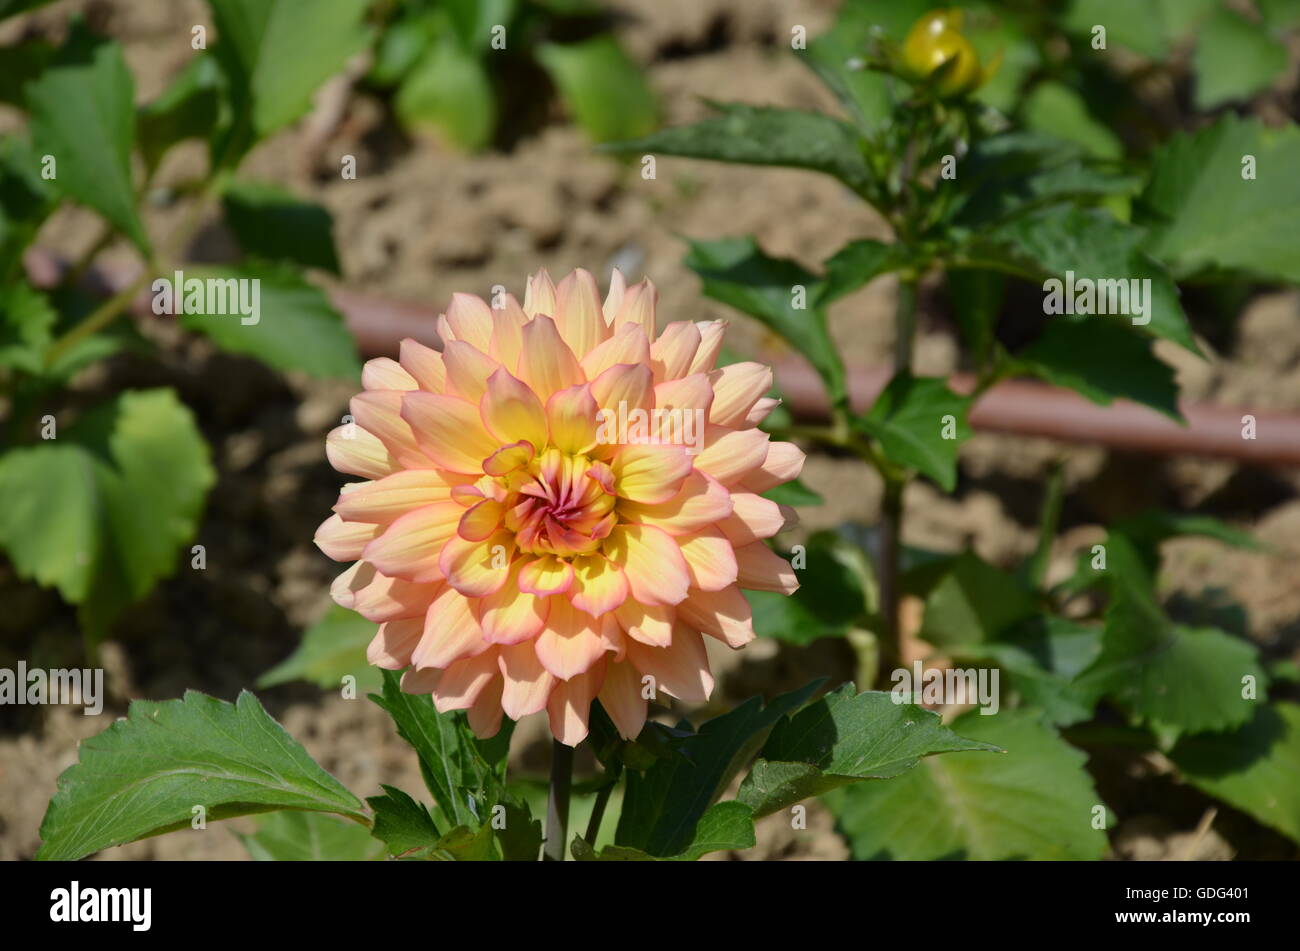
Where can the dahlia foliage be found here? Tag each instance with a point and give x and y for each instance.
(558, 505)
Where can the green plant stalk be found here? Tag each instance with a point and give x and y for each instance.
(889, 570)
(598, 812)
(557, 802)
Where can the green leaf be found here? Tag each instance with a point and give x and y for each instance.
(737, 273)
(23, 62)
(601, 87)
(26, 200)
(145, 774)
(188, 109)
(9, 7)
(295, 327)
(403, 825)
(1255, 769)
(910, 419)
(973, 602)
(449, 93)
(1235, 59)
(663, 805)
(842, 739)
(275, 54)
(1061, 240)
(443, 744)
(838, 57)
(82, 113)
(726, 826)
(832, 598)
(1036, 801)
(1044, 655)
(274, 225)
(474, 19)
(977, 301)
(101, 512)
(793, 493)
(1058, 110)
(1015, 172)
(1150, 28)
(310, 837)
(1103, 362)
(331, 649)
(26, 319)
(1205, 218)
(765, 135)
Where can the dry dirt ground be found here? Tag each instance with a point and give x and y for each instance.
(420, 222)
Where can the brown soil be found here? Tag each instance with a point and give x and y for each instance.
(419, 223)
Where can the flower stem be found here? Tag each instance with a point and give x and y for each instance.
(557, 804)
(598, 812)
(891, 524)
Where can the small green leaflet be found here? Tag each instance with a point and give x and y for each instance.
(290, 836)
(331, 649)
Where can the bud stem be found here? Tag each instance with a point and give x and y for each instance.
(557, 804)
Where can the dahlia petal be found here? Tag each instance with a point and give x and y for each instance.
(485, 715)
(761, 569)
(629, 345)
(468, 370)
(736, 388)
(344, 541)
(352, 450)
(539, 295)
(760, 411)
(477, 568)
(481, 520)
(725, 615)
(571, 642)
(511, 411)
(385, 373)
(507, 331)
(578, 314)
(449, 431)
(420, 681)
(639, 302)
(730, 455)
(379, 598)
(571, 415)
(691, 392)
(614, 298)
(649, 473)
(449, 631)
(623, 700)
(711, 334)
(409, 547)
(754, 518)
(569, 706)
(680, 670)
(385, 500)
(380, 412)
(656, 571)
(508, 458)
(702, 500)
(650, 624)
(784, 462)
(546, 363)
(710, 558)
(462, 682)
(546, 575)
(471, 320)
(424, 364)
(527, 683)
(671, 354)
(511, 615)
(392, 645)
(598, 584)
(624, 387)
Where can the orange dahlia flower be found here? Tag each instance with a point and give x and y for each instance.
(557, 506)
